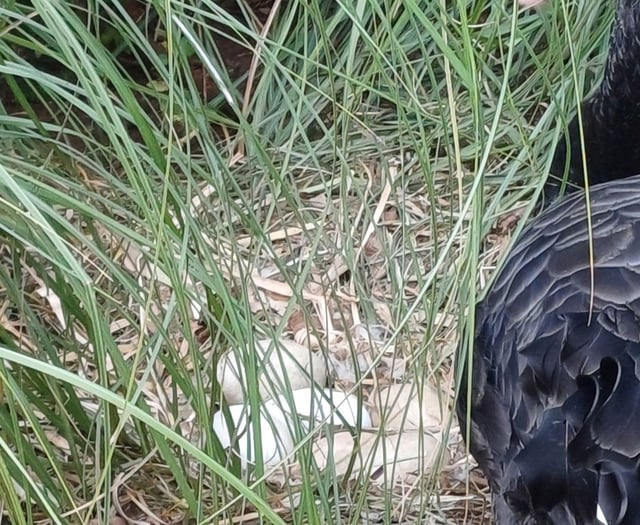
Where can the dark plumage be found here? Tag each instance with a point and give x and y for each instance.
(555, 402)
(610, 116)
(555, 374)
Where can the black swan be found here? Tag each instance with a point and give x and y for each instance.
(610, 116)
(552, 414)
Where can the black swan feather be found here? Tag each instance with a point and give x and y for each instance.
(555, 399)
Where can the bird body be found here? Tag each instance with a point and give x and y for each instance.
(550, 403)
(555, 398)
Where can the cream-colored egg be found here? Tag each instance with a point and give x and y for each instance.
(410, 406)
(282, 366)
(402, 457)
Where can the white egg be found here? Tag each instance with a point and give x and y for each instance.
(283, 365)
(322, 405)
(275, 438)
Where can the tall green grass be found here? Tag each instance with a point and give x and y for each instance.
(134, 213)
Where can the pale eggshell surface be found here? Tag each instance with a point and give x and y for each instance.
(275, 440)
(317, 405)
(282, 366)
(411, 406)
(391, 458)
